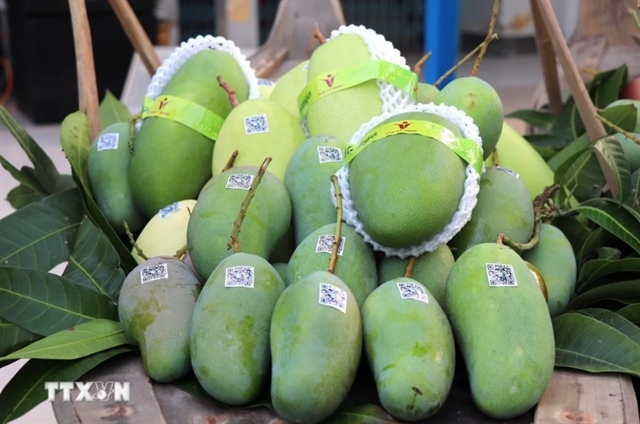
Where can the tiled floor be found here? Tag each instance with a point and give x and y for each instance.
(515, 78)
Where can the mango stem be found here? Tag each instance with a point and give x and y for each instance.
(231, 161)
(408, 272)
(616, 128)
(488, 38)
(318, 35)
(462, 61)
(133, 241)
(233, 99)
(181, 252)
(338, 236)
(417, 68)
(235, 243)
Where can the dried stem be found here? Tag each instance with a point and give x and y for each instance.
(488, 38)
(408, 272)
(618, 129)
(233, 99)
(463, 61)
(417, 68)
(235, 243)
(231, 161)
(338, 236)
(181, 252)
(133, 241)
(318, 35)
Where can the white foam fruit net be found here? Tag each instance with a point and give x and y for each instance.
(467, 201)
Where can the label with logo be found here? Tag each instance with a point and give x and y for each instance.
(184, 111)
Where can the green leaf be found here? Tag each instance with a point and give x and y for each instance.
(606, 86)
(22, 196)
(575, 231)
(26, 389)
(536, 118)
(113, 110)
(94, 262)
(623, 116)
(605, 268)
(631, 312)
(361, 414)
(616, 158)
(588, 344)
(581, 174)
(41, 234)
(598, 237)
(560, 174)
(76, 144)
(25, 176)
(45, 170)
(605, 252)
(569, 150)
(612, 291)
(616, 321)
(13, 337)
(613, 218)
(545, 140)
(45, 303)
(76, 342)
(568, 124)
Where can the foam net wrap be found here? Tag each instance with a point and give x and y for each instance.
(467, 201)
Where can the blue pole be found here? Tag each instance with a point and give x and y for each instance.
(440, 38)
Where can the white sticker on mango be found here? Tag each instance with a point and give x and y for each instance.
(108, 141)
(239, 276)
(169, 210)
(333, 296)
(325, 244)
(410, 290)
(501, 275)
(256, 124)
(329, 154)
(153, 273)
(240, 181)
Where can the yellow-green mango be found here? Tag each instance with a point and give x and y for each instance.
(155, 306)
(554, 257)
(108, 170)
(288, 86)
(229, 332)
(316, 345)
(171, 161)
(503, 329)
(426, 92)
(410, 348)
(265, 87)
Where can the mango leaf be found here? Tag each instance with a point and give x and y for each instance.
(568, 124)
(113, 110)
(94, 263)
(545, 140)
(586, 343)
(605, 252)
(563, 169)
(13, 337)
(633, 197)
(613, 218)
(633, 211)
(76, 143)
(598, 268)
(598, 237)
(25, 176)
(616, 321)
(613, 291)
(575, 231)
(623, 116)
(45, 170)
(22, 195)
(361, 414)
(569, 150)
(583, 178)
(606, 86)
(26, 388)
(45, 303)
(537, 118)
(76, 342)
(631, 312)
(40, 235)
(616, 158)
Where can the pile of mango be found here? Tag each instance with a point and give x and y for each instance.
(253, 276)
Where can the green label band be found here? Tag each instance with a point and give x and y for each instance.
(186, 112)
(340, 79)
(467, 149)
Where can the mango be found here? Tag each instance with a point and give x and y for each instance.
(108, 171)
(426, 92)
(503, 328)
(229, 332)
(316, 345)
(288, 86)
(308, 181)
(155, 306)
(503, 206)
(265, 86)
(355, 264)
(266, 220)
(172, 161)
(410, 348)
(554, 257)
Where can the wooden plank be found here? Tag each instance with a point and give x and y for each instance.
(580, 397)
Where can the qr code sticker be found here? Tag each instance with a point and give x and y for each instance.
(256, 124)
(168, 210)
(265, 82)
(240, 181)
(154, 272)
(411, 290)
(333, 296)
(501, 275)
(508, 171)
(239, 276)
(325, 244)
(329, 154)
(108, 141)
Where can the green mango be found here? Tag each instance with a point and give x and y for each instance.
(288, 86)
(431, 269)
(426, 92)
(229, 332)
(355, 265)
(502, 325)
(258, 128)
(281, 267)
(410, 348)
(308, 181)
(341, 113)
(171, 161)
(212, 220)
(504, 206)
(481, 102)
(408, 172)
(554, 257)
(316, 345)
(108, 170)
(631, 150)
(154, 307)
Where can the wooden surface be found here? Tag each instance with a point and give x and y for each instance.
(572, 397)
